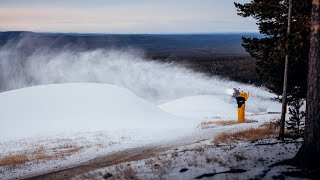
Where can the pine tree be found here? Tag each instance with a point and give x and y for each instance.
(270, 51)
(295, 125)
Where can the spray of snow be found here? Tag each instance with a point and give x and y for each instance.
(154, 81)
(229, 91)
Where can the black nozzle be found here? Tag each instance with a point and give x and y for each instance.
(240, 101)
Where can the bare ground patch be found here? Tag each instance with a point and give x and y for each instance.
(265, 131)
(12, 160)
(39, 154)
(208, 124)
(112, 159)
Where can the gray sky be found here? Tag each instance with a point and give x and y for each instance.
(124, 16)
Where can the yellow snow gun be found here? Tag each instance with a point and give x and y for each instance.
(241, 97)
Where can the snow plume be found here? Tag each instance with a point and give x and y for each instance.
(154, 81)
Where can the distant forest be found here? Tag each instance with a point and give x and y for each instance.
(236, 68)
(213, 54)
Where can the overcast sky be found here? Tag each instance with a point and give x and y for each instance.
(124, 16)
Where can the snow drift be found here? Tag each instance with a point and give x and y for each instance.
(200, 106)
(80, 107)
(209, 106)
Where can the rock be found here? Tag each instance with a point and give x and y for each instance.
(184, 170)
(107, 176)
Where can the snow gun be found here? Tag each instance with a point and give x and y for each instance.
(241, 97)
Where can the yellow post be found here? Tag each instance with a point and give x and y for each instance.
(241, 113)
(241, 101)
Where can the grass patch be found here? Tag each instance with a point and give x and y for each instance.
(129, 173)
(39, 154)
(123, 171)
(18, 159)
(208, 124)
(264, 132)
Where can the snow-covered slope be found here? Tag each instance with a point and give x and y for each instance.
(200, 106)
(217, 106)
(100, 119)
(82, 106)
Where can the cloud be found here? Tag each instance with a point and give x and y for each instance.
(122, 17)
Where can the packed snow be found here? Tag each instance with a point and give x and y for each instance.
(88, 106)
(210, 107)
(201, 106)
(80, 107)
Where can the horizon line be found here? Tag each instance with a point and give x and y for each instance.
(93, 33)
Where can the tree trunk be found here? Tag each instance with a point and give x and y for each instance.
(309, 154)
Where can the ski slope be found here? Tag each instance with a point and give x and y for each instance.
(80, 107)
(201, 106)
(74, 107)
(100, 119)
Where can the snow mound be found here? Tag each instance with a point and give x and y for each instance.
(215, 106)
(199, 106)
(77, 107)
(275, 109)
